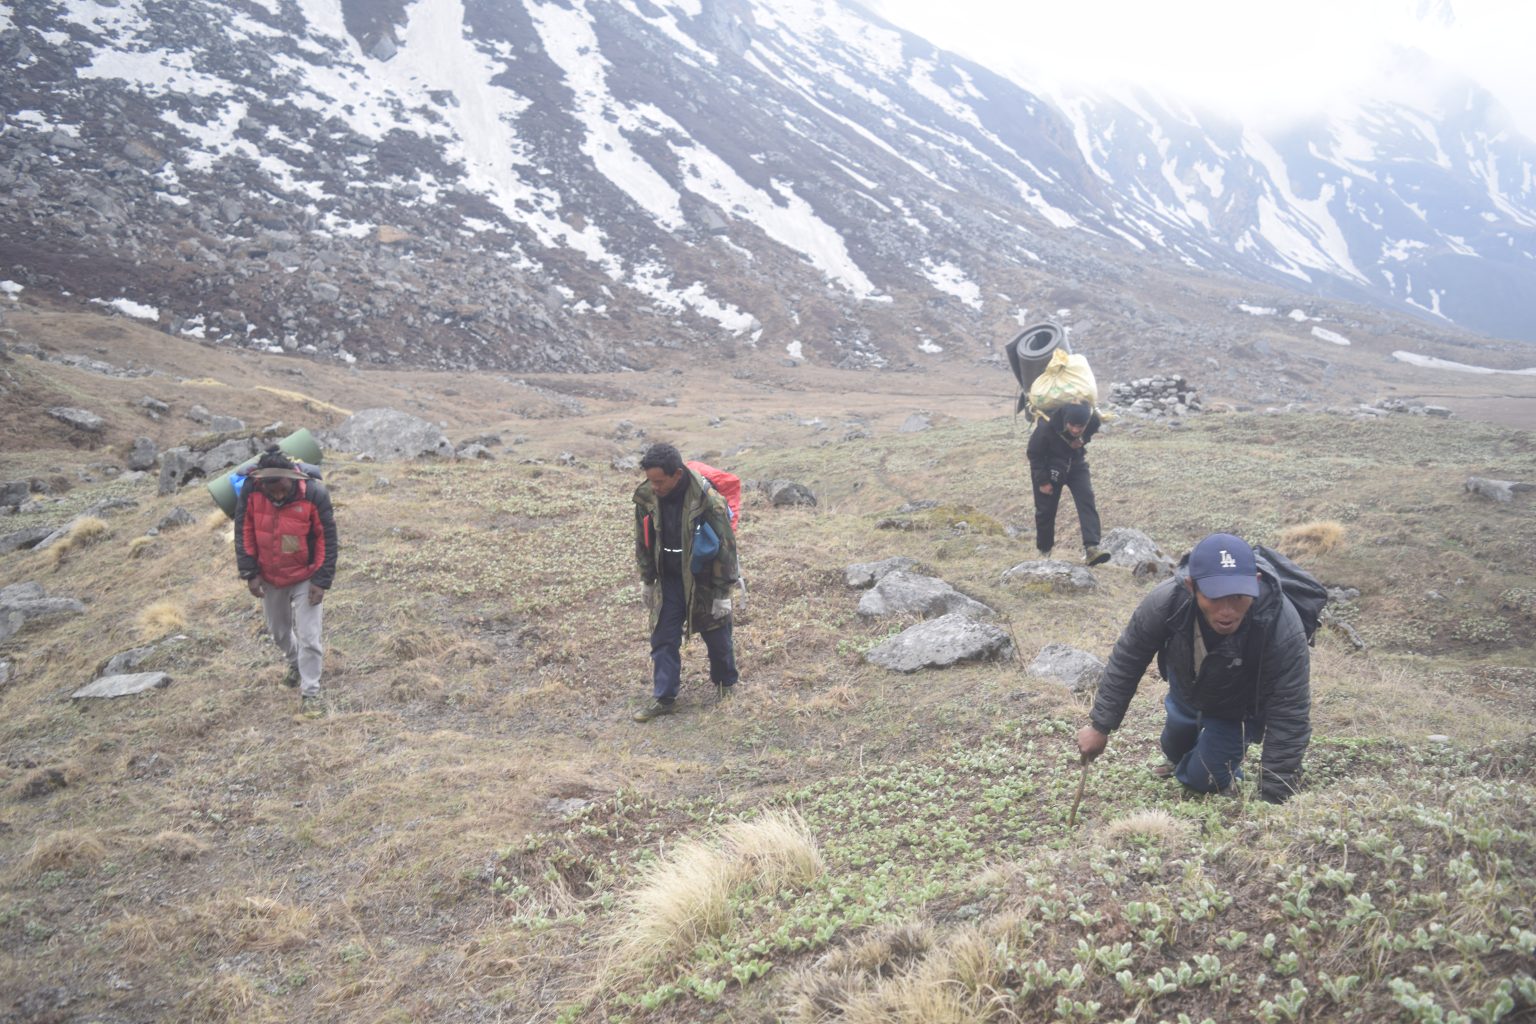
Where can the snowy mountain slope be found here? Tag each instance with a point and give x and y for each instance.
(1430, 208)
(578, 184)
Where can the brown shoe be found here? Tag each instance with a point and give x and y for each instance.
(1162, 771)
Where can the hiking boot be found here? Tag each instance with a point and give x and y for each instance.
(312, 706)
(1045, 554)
(1162, 771)
(291, 680)
(1095, 556)
(655, 709)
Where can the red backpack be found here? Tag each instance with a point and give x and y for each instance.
(728, 484)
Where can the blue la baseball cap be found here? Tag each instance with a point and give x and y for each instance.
(1222, 565)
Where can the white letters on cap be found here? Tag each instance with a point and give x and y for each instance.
(1227, 561)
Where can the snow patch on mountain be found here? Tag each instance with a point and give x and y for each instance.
(1432, 363)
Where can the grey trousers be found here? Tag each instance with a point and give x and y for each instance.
(295, 626)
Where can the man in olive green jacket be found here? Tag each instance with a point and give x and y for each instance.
(685, 550)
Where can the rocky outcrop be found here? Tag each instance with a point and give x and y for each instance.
(899, 592)
(388, 434)
(940, 643)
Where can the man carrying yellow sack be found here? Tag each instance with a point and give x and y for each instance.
(1057, 460)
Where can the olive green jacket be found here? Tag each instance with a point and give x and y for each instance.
(701, 503)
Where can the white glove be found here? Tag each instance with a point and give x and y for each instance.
(648, 596)
(721, 608)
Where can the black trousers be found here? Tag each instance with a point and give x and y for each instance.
(1080, 484)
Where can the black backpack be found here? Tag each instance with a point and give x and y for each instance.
(1306, 594)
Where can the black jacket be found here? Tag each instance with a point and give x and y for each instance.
(1050, 450)
(1270, 676)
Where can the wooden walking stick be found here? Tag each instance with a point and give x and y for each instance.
(1082, 780)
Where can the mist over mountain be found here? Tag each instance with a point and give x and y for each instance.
(593, 185)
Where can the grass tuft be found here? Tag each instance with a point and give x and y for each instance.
(1308, 540)
(1150, 824)
(83, 532)
(775, 850)
(67, 850)
(680, 901)
(162, 617)
(685, 898)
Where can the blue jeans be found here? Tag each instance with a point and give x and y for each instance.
(1207, 753)
(667, 639)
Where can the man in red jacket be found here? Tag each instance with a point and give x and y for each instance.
(285, 550)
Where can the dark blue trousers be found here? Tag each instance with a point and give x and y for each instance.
(1207, 753)
(667, 639)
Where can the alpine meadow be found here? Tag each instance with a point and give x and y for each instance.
(344, 349)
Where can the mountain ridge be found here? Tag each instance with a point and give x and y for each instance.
(583, 187)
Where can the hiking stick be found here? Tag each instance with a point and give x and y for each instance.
(1082, 780)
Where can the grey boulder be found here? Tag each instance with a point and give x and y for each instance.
(940, 643)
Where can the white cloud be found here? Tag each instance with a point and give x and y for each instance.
(1264, 60)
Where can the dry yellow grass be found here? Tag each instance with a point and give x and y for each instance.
(249, 923)
(223, 997)
(304, 400)
(679, 902)
(1154, 824)
(136, 937)
(956, 981)
(684, 898)
(161, 618)
(83, 532)
(67, 850)
(140, 546)
(1308, 540)
(774, 850)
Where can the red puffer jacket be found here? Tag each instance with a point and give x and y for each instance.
(288, 542)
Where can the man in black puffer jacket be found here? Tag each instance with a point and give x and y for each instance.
(1056, 461)
(1235, 656)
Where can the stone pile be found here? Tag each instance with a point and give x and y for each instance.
(1163, 397)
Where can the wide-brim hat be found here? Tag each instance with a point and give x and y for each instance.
(275, 473)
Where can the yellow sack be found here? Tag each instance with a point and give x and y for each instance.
(1064, 380)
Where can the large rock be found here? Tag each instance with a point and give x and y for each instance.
(180, 466)
(143, 453)
(31, 590)
(21, 603)
(1052, 575)
(1137, 552)
(125, 661)
(80, 419)
(21, 540)
(900, 592)
(1502, 491)
(940, 643)
(1075, 669)
(784, 493)
(389, 434)
(864, 575)
(122, 686)
(14, 493)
